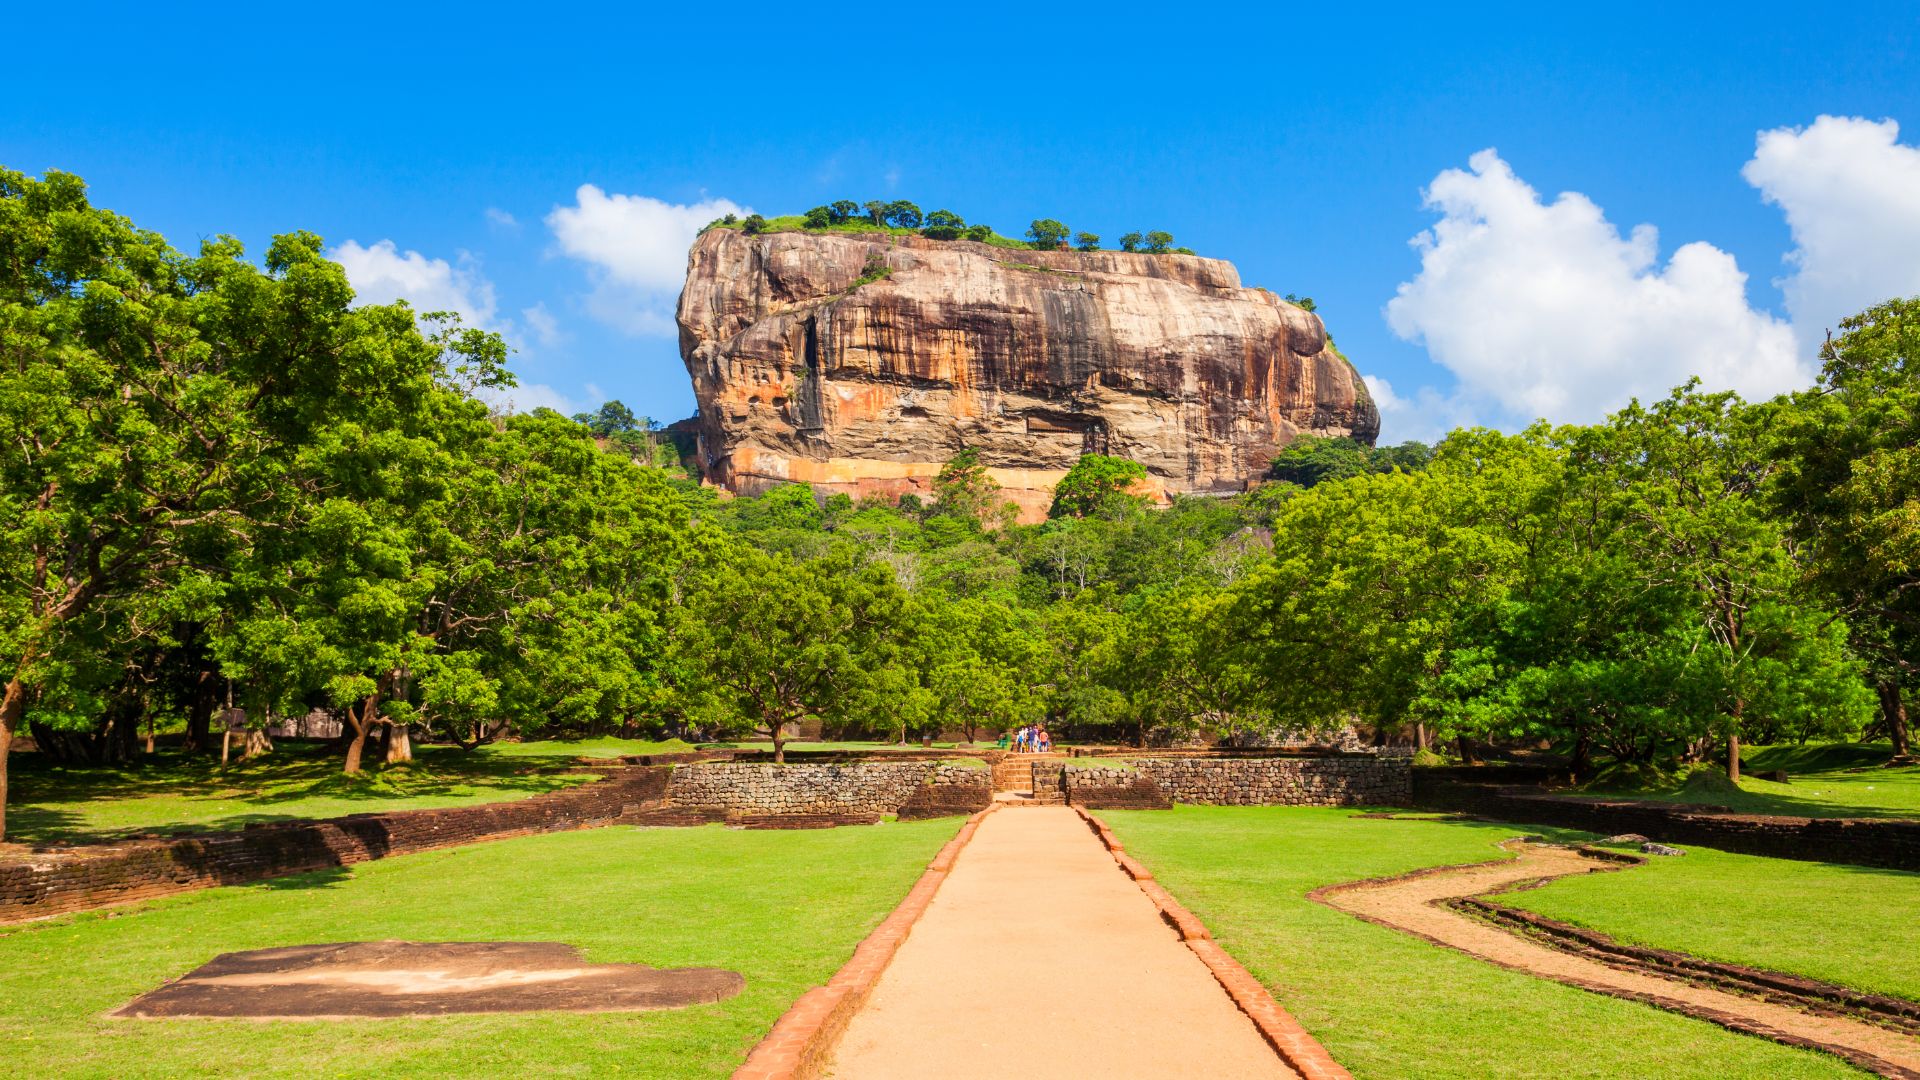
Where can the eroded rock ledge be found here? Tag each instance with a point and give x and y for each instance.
(861, 363)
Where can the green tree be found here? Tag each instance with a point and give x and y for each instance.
(612, 418)
(753, 225)
(877, 211)
(841, 211)
(1099, 486)
(1305, 303)
(1849, 451)
(1087, 241)
(902, 214)
(770, 641)
(964, 489)
(1046, 234)
(1130, 241)
(1689, 473)
(944, 225)
(979, 233)
(819, 217)
(1158, 243)
(1314, 459)
(165, 416)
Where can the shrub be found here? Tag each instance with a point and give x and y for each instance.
(1087, 241)
(980, 233)
(1159, 243)
(819, 217)
(754, 225)
(1130, 241)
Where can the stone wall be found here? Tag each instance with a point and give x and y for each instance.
(868, 787)
(1342, 780)
(1889, 843)
(949, 790)
(1108, 787)
(48, 881)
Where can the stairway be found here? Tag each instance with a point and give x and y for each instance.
(1030, 780)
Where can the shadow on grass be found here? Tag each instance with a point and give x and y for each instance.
(330, 878)
(169, 790)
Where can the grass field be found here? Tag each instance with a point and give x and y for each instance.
(1391, 1006)
(171, 790)
(603, 747)
(783, 908)
(1845, 924)
(1821, 785)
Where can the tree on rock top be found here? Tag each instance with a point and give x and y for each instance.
(1099, 486)
(1046, 234)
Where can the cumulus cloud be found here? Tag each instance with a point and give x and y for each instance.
(541, 323)
(1426, 414)
(527, 397)
(1544, 309)
(382, 273)
(636, 249)
(1851, 194)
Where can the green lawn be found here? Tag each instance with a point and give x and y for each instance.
(1844, 924)
(604, 747)
(1821, 784)
(172, 790)
(783, 908)
(1389, 1005)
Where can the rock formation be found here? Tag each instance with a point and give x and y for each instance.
(862, 363)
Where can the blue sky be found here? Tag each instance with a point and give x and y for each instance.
(1298, 142)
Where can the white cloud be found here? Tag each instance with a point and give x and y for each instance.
(637, 248)
(541, 323)
(1382, 393)
(382, 274)
(1545, 310)
(1427, 416)
(500, 219)
(1851, 194)
(530, 396)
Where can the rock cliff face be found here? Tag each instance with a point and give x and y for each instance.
(861, 363)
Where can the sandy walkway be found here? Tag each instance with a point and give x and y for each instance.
(1411, 904)
(1039, 957)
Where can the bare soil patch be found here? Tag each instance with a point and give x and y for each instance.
(410, 978)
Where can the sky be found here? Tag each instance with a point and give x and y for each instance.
(1503, 213)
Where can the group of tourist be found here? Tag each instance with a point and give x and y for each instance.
(1032, 739)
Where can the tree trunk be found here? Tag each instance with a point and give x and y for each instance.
(1420, 740)
(399, 742)
(12, 708)
(1733, 756)
(258, 743)
(1582, 757)
(361, 726)
(200, 715)
(1466, 750)
(776, 729)
(1893, 713)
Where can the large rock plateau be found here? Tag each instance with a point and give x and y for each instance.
(811, 365)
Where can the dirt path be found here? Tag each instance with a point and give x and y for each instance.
(1413, 904)
(1039, 957)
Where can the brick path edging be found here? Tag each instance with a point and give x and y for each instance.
(1299, 1049)
(802, 1040)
